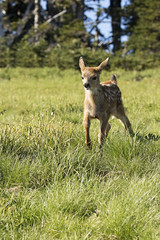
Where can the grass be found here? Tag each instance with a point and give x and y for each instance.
(51, 186)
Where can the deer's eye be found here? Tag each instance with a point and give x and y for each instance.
(94, 78)
(82, 77)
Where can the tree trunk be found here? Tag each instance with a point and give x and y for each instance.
(1, 23)
(36, 17)
(115, 13)
(52, 11)
(20, 32)
(78, 9)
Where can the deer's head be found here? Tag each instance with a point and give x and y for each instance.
(90, 75)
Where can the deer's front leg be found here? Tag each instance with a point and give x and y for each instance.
(103, 126)
(86, 124)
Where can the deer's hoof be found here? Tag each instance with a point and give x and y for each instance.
(89, 145)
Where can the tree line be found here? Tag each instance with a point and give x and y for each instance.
(57, 32)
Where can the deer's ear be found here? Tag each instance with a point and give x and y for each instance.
(103, 64)
(82, 63)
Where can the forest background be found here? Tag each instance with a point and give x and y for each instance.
(53, 33)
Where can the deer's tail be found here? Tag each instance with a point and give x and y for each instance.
(114, 79)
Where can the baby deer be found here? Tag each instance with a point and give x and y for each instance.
(102, 100)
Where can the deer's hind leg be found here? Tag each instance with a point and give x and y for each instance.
(120, 114)
(108, 127)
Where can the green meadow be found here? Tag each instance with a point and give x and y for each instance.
(51, 186)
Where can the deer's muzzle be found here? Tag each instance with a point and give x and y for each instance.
(87, 85)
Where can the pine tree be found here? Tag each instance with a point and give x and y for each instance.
(17, 19)
(58, 31)
(143, 29)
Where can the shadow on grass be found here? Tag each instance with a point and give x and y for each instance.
(149, 137)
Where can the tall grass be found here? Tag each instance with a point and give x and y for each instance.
(52, 187)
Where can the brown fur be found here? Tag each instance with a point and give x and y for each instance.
(102, 100)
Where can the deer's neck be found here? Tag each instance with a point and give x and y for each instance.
(93, 92)
(94, 96)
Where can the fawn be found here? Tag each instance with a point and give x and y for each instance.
(102, 100)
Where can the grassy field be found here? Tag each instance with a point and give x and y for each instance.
(52, 187)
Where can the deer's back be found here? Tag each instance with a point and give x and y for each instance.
(112, 93)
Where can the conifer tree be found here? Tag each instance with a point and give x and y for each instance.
(17, 19)
(143, 29)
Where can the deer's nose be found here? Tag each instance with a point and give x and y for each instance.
(86, 85)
